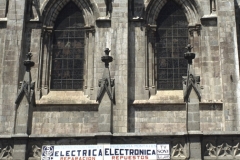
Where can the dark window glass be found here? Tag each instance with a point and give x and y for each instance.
(68, 49)
(171, 40)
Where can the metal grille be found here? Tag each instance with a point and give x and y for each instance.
(171, 40)
(68, 49)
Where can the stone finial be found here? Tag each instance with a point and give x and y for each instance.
(189, 47)
(107, 59)
(189, 55)
(28, 63)
(107, 51)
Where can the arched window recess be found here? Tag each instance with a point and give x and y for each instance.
(168, 32)
(66, 59)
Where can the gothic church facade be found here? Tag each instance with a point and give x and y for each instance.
(126, 73)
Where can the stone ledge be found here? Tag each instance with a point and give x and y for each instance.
(143, 102)
(3, 19)
(61, 135)
(206, 17)
(65, 98)
(5, 136)
(136, 19)
(210, 133)
(150, 134)
(103, 19)
(204, 133)
(19, 136)
(164, 97)
(194, 133)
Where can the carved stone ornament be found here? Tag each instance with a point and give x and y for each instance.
(236, 150)
(6, 153)
(193, 82)
(194, 28)
(36, 151)
(223, 150)
(106, 84)
(178, 151)
(27, 86)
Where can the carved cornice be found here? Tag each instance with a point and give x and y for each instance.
(194, 28)
(90, 29)
(150, 28)
(47, 30)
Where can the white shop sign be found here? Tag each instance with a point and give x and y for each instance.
(100, 152)
(163, 151)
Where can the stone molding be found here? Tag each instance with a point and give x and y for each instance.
(50, 10)
(194, 28)
(154, 7)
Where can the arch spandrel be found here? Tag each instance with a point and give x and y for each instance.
(153, 8)
(51, 8)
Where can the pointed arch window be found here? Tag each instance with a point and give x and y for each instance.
(68, 49)
(171, 40)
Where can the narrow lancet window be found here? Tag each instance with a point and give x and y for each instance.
(68, 49)
(171, 40)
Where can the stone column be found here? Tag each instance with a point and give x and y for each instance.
(192, 98)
